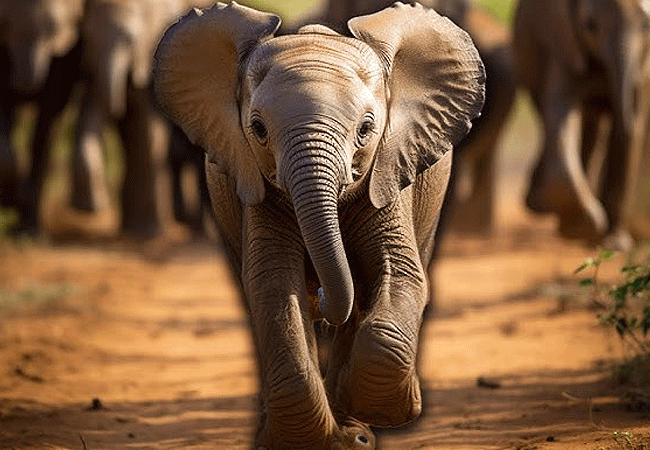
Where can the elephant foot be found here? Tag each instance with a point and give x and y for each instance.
(551, 193)
(619, 240)
(350, 435)
(86, 203)
(142, 231)
(575, 225)
(27, 223)
(28, 212)
(382, 385)
(581, 215)
(551, 189)
(141, 226)
(354, 435)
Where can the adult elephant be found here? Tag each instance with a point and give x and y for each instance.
(40, 56)
(584, 69)
(120, 37)
(472, 188)
(328, 160)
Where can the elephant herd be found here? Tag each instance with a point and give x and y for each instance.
(51, 49)
(584, 68)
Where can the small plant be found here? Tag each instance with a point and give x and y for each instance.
(626, 305)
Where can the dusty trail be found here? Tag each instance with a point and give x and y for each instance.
(161, 345)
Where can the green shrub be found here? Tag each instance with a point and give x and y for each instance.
(625, 306)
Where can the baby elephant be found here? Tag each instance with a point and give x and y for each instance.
(328, 158)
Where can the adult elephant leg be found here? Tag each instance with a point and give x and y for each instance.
(31, 188)
(559, 183)
(8, 163)
(473, 210)
(182, 153)
(634, 211)
(145, 135)
(89, 189)
(53, 99)
(615, 182)
(177, 158)
(296, 410)
(9, 174)
(473, 207)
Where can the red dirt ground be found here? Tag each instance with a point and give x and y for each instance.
(156, 335)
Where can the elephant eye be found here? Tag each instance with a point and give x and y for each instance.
(365, 131)
(362, 439)
(259, 129)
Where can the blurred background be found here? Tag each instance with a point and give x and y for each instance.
(58, 218)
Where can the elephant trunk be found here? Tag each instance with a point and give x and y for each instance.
(313, 185)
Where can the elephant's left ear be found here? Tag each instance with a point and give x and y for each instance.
(436, 84)
(198, 66)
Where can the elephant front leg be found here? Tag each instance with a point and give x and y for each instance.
(8, 163)
(296, 410)
(145, 190)
(383, 386)
(472, 207)
(379, 384)
(89, 190)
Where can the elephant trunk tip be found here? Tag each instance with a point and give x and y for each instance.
(336, 317)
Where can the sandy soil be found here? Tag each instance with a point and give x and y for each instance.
(119, 345)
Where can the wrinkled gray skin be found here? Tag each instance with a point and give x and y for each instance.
(470, 206)
(120, 37)
(584, 70)
(328, 160)
(40, 55)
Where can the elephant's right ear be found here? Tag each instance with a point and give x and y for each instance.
(436, 85)
(196, 82)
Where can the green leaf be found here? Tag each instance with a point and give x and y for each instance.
(587, 282)
(621, 326)
(589, 262)
(604, 255)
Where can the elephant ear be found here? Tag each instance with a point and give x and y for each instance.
(436, 84)
(196, 82)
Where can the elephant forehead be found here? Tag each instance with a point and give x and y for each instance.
(314, 56)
